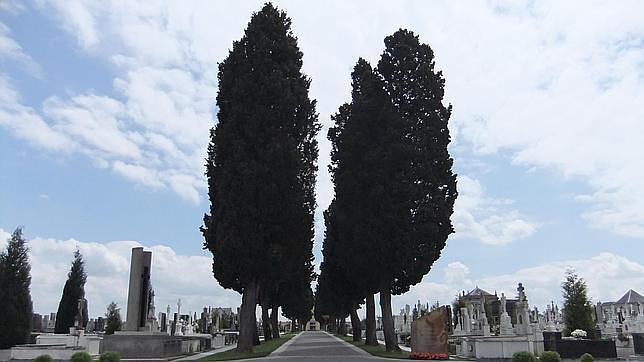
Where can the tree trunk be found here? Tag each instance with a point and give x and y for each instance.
(343, 326)
(266, 322)
(391, 344)
(370, 325)
(247, 319)
(256, 337)
(274, 324)
(355, 326)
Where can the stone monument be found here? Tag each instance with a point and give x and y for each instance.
(139, 290)
(505, 328)
(522, 309)
(429, 333)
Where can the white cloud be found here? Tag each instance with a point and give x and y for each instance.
(108, 264)
(607, 275)
(11, 50)
(524, 80)
(486, 219)
(25, 123)
(4, 237)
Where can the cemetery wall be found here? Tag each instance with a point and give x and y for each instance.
(574, 348)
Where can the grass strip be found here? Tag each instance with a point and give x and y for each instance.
(263, 350)
(378, 350)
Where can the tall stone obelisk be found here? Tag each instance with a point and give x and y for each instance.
(139, 290)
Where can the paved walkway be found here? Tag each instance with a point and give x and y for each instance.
(319, 346)
(197, 356)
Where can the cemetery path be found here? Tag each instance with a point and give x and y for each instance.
(319, 346)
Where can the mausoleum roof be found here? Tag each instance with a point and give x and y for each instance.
(478, 292)
(630, 297)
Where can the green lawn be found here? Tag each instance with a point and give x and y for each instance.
(263, 350)
(378, 350)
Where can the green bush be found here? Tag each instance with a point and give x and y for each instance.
(43, 358)
(109, 357)
(81, 357)
(550, 356)
(587, 357)
(523, 357)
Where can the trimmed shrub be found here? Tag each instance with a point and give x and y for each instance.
(523, 357)
(109, 357)
(587, 357)
(81, 357)
(43, 358)
(550, 356)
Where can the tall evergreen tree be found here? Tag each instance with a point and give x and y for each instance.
(362, 140)
(73, 291)
(394, 185)
(421, 202)
(261, 165)
(339, 295)
(15, 298)
(578, 311)
(112, 319)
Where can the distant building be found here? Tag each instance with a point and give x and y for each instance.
(626, 315)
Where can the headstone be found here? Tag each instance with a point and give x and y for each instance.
(467, 321)
(429, 333)
(139, 290)
(100, 324)
(203, 323)
(164, 322)
(81, 317)
(174, 325)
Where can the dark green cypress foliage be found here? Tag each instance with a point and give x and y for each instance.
(15, 298)
(395, 189)
(416, 90)
(73, 291)
(365, 158)
(424, 198)
(261, 164)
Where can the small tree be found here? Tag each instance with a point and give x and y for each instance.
(15, 297)
(113, 322)
(578, 312)
(73, 291)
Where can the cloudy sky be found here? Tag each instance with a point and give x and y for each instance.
(105, 109)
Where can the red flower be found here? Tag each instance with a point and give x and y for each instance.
(428, 356)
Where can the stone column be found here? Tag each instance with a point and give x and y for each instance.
(138, 291)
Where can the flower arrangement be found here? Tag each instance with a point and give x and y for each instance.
(578, 333)
(428, 356)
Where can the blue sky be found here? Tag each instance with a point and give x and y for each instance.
(105, 109)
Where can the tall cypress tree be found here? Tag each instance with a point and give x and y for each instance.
(363, 167)
(73, 291)
(261, 165)
(339, 294)
(395, 189)
(15, 298)
(422, 200)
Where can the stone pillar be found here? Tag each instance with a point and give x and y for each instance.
(138, 291)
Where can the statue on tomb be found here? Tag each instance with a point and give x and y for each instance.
(521, 289)
(505, 322)
(503, 304)
(151, 322)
